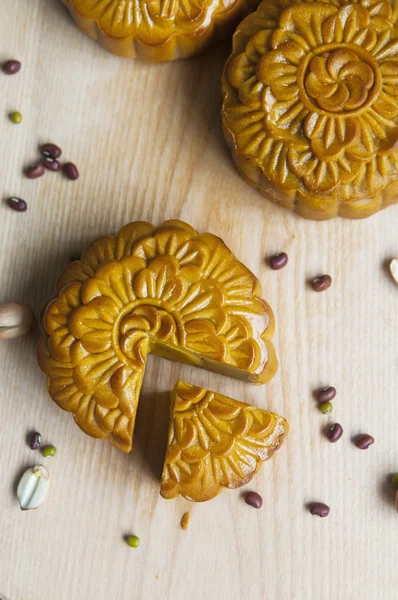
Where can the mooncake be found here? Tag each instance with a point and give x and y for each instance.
(168, 290)
(310, 107)
(160, 30)
(215, 442)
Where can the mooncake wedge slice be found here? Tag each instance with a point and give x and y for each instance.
(215, 442)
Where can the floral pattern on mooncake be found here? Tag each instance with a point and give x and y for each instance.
(167, 290)
(215, 442)
(159, 30)
(311, 104)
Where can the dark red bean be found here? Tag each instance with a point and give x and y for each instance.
(253, 499)
(321, 283)
(35, 171)
(70, 171)
(364, 441)
(279, 261)
(319, 509)
(51, 164)
(35, 441)
(51, 151)
(11, 67)
(17, 204)
(335, 433)
(326, 394)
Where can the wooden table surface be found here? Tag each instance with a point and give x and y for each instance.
(147, 140)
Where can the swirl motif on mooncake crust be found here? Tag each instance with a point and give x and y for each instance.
(167, 290)
(311, 105)
(215, 442)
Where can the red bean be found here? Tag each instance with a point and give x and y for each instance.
(17, 204)
(35, 171)
(321, 283)
(51, 151)
(35, 440)
(10, 67)
(364, 441)
(319, 509)
(335, 433)
(70, 171)
(253, 499)
(51, 164)
(279, 261)
(326, 394)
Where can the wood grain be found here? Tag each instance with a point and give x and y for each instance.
(148, 143)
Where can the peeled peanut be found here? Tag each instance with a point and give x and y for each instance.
(33, 487)
(394, 269)
(15, 320)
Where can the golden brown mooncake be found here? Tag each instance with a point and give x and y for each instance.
(159, 30)
(168, 290)
(310, 106)
(215, 442)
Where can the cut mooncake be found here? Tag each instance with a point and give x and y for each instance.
(310, 107)
(168, 290)
(158, 31)
(215, 442)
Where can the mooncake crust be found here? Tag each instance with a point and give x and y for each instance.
(168, 290)
(158, 31)
(310, 106)
(215, 442)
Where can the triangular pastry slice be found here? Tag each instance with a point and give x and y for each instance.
(167, 290)
(215, 442)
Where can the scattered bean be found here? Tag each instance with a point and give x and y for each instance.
(35, 171)
(364, 441)
(17, 204)
(253, 499)
(16, 117)
(51, 151)
(10, 67)
(335, 433)
(133, 541)
(321, 283)
(35, 441)
(185, 521)
(394, 480)
(278, 261)
(70, 171)
(326, 394)
(49, 451)
(51, 164)
(326, 408)
(319, 509)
